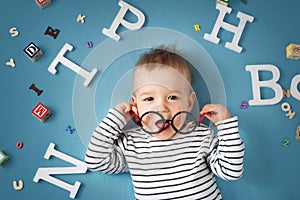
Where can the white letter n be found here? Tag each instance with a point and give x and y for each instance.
(45, 173)
(234, 44)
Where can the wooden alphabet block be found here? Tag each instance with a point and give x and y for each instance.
(3, 158)
(43, 3)
(298, 133)
(41, 112)
(33, 52)
(223, 2)
(293, 51)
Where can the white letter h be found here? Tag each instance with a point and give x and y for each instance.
(237, 30)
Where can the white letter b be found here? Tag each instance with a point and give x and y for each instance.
(257, 84)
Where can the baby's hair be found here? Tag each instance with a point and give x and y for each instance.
(165, 56)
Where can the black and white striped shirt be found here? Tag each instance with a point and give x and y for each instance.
(182, 167)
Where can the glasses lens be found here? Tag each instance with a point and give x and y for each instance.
(152, 122)
(184, 122)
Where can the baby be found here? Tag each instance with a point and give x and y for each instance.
(168, 155)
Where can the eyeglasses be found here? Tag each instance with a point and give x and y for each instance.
(153, 122)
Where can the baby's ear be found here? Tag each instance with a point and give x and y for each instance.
(191, 100)
(134, 106)
(133, 99)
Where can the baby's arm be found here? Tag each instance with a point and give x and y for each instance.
(104, 150)
(227, 149)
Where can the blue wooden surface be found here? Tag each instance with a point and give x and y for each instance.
(271, 169)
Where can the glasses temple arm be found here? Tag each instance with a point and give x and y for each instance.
(202, 117)
(136, 117)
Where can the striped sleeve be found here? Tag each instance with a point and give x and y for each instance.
(103, 153)
(227, 151)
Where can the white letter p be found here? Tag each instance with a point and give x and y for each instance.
(111, 32)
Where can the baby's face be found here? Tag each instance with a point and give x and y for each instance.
(163, 91)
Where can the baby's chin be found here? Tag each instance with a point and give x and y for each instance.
(164, 136)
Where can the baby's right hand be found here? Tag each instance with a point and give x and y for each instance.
(125, 109)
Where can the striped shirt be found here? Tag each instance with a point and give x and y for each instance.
(182, 167)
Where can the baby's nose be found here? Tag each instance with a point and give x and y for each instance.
(160, 107)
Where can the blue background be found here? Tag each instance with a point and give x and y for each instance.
(271, 169)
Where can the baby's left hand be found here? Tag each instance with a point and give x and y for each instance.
(215, 112)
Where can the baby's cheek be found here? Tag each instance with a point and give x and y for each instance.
(182, 106)
(145, 121)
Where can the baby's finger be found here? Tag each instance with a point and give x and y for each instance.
(208, 108)
(127, 108)
(134, 108)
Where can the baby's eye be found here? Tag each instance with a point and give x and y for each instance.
(173, 97)
(149, 99)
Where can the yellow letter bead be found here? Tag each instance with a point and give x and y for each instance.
(286, 93)
(81, 18)
(197, 27)
(18, 186)
(11, 63)
(13, 32)
(293, 51)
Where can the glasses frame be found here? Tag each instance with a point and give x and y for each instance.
(138, 121)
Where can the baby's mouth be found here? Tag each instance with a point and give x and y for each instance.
(162, 125)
